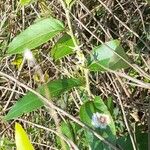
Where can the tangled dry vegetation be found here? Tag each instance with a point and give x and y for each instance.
(93, 22)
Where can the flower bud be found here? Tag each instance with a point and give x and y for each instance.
(100, 120)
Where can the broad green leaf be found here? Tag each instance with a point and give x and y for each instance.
(21, 138)
(35, 35)
(24, 2)
(86, 112)
(104, 57)
(31, 102)
(63, 47)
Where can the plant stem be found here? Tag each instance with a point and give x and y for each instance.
(79, 52)
(49, 104)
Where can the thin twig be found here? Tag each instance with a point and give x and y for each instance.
(103, 4)
(14, 87)
(125, 118)
(8, 89)
(126, 61)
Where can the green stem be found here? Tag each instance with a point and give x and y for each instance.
(79, 52)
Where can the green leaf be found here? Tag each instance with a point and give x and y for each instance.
(94, 143)
(63, 47)
(70, 130)
(67, 130)
(35, 35)
(24, 2)
(22, 139)
(86, 112)
(31, 102)
(104, 57)
(110, 105)
(141, 139)
(69, 3)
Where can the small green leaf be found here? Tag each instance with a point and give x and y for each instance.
(110, 105)
(86, 112)
(69, 3)
(21, 138)
(63, 47)
(35, 35)
(67, 130)
(95, 143)
(103, 57)
(24, 2)
(31, 102)
(72, 131)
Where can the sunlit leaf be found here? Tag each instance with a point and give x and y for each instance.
(21, 138)
(35, 35)
(25, 2)
(103, 57)
(17, 62)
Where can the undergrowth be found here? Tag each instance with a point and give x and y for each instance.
(74, 74)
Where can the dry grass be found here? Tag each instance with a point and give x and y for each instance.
(93, 22)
